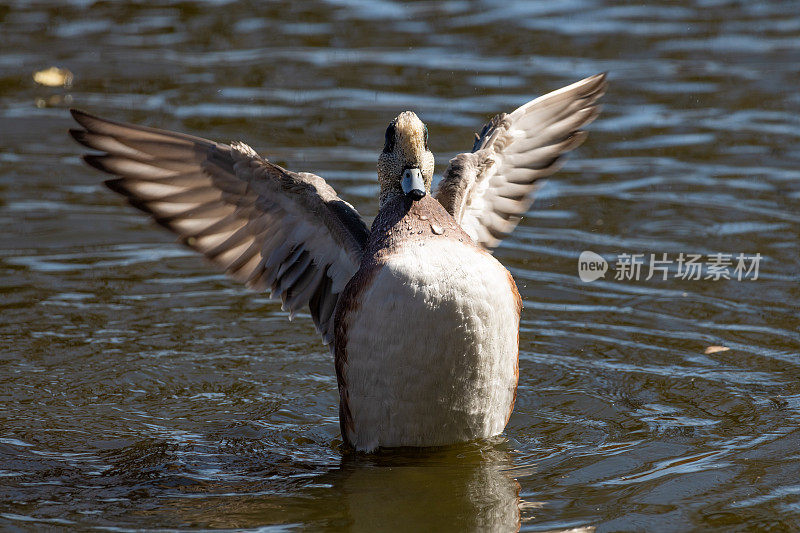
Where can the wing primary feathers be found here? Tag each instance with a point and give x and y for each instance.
(486, 190)
(263, 225)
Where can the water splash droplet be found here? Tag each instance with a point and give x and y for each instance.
(423, 217)
(438, 230)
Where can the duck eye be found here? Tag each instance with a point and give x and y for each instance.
(390, 134)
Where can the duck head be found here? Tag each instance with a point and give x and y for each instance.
(405, 167)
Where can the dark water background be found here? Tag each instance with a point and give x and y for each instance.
(138, 389)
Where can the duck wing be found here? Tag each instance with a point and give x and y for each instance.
(489, 189)
(276, 230)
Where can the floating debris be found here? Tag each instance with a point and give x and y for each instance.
(716, 349)
(53, 77)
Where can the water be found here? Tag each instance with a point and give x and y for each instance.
(141, 390)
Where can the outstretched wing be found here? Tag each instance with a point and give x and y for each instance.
(268, 227)
(490, 188)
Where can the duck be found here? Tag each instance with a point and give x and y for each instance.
(420, 317)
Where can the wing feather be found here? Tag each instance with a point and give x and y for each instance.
(270, 228)
(489, 189)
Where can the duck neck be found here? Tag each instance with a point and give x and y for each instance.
(388, 194)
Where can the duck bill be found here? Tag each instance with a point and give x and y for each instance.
(412, 183)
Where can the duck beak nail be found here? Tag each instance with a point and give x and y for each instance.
(412, 184)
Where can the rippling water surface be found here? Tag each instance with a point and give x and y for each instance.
(138, 389)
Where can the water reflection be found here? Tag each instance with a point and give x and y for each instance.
(463, 488)
(460, 489)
